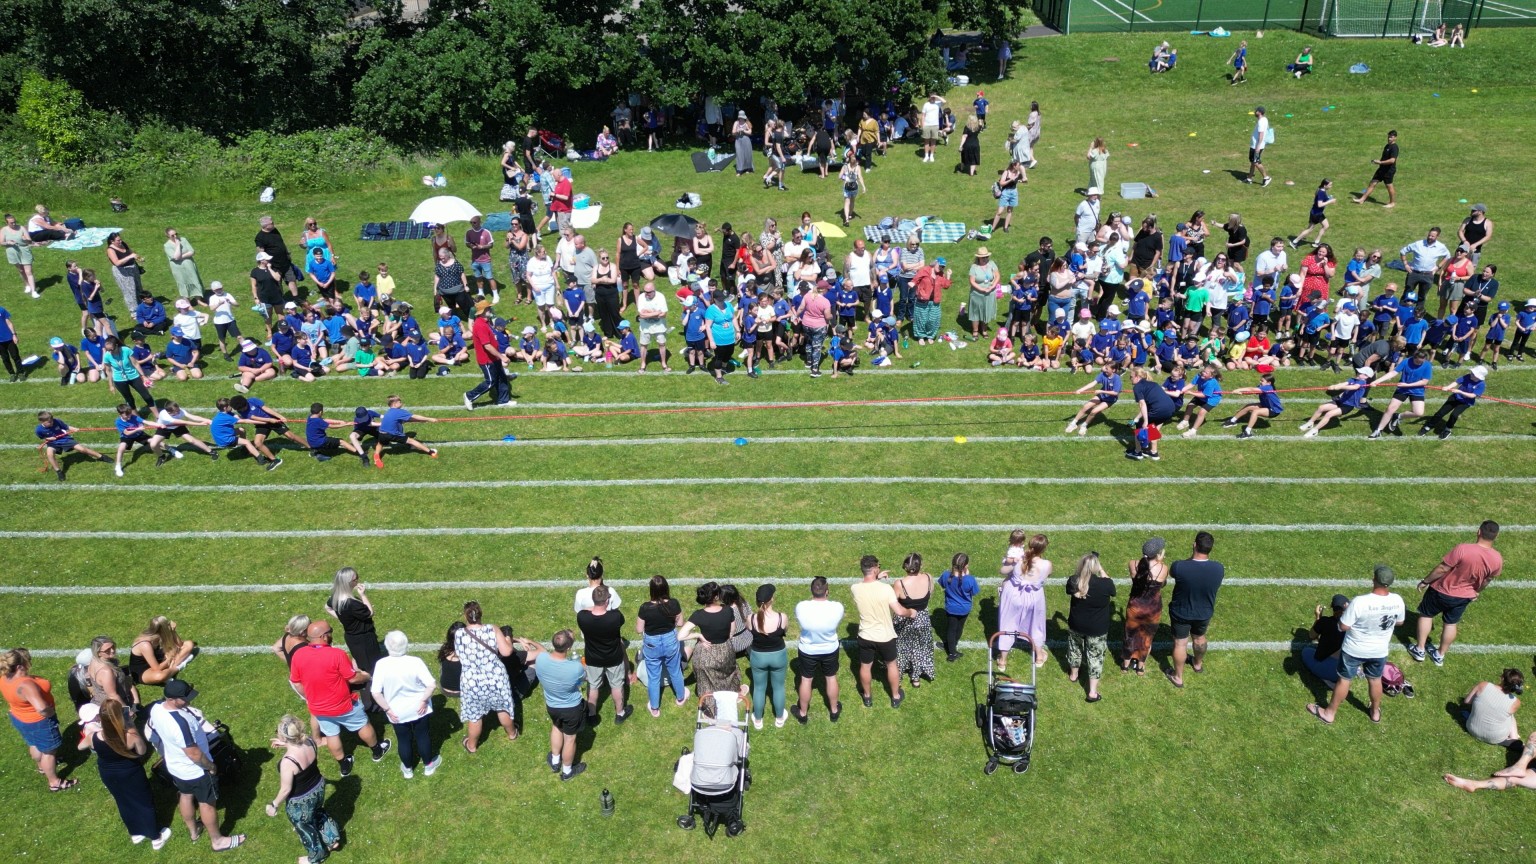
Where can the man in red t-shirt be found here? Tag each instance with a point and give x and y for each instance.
(560, 201)
(1456, 581)
(490, 357)
(324, 676)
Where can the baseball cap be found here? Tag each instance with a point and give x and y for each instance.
(1480, 372)
(499, 323)
(555, 314)
(55, 342)
(89, 712)
(529, 331)
(1504, 306)
(183, 303)
(1383, 575)
(1153, 547)
(942, 263)
(1349, 307)
(1085, 314)
(1339, 601)
(1061, 313)
(360, 415)
(179, 689)
(290, 305)
(1114, 311)
(177, 333)
(687, 302)
(876, 315)
(1352, 290)
(1481, 208)
(262, 256)
(1364, 370)
(623, 325)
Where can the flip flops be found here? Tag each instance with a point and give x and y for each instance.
(234, 843)
(1318, 713)
(64, 784)
(1172, 680)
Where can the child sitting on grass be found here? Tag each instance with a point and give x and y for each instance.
(322, 446)
(224, 427)
(392, 431)
(57, 441)
(1001, 349)
(1267, 408)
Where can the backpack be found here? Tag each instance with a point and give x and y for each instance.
(268, 195)
(1393, 682)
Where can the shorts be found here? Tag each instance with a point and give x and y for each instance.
(1336, 342)
(1450, 289)
(227, 331)
(568, 721)
(1449, 608)
(1316, 218)
(1183, 629)
(329, 446)
(866, 293)
(651, 331)
(1253, 157)
(614, 674)
(1350, 666)
(698, 345)
(271, 429)
(481, 270)
(391, 440)
(351, 721)
(174, 432)
(930, 133)
(1106, 400)
(1009, 198)
(203, 790)
(1403, 394)
(826, 665)
(868, 650)
(544, 296)
(135, 438)
(563, 219)
(1384, 174)
(43, 734)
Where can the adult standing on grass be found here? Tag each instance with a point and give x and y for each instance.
(1490, 709)
(124, 376)
(651, 313)
(325, 677)
(560, 676)
(1367, 624)
(930, 125)
(8, 350)
(189, 760)
(1008, 194)
(1386, 169)
(928, 287)
(269, 240)
(1090, 596)
(1098, 164)
(127, 270)
(914, 636)
(1475, 231)
(120, 749)
(852, 176)
(18, 251)
(981, 303)
(1086, 217)
(178, 253)
(721, 335)
(1144, 607)
(491, 360)
(819, 620)
(561, 200)
(657, 622)
(1257, 142)
(30, 702)
(350, 606)
(970, 147)
(602, 633)
(266, 293)
(1021, 599)
(484, 687)
(480, 240)
(301, 791)
(1196, 580)
(815, 318)
(877, 602)
(711, 626)
(769, 658)
(1456, 581)
(450, 283)
(403, 687)
(1423, 259)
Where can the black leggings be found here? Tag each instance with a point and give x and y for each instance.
(126, 389)
(722, 360)
(1448, 414)
(952, 630)
(11, 356)
(1517, 345)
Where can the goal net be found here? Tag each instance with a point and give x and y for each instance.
(1380, 18)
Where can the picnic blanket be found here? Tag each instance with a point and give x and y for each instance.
(929, 231)
(808, 163)
(396, 231)
(702, 165)
(497, 221)
(87, 238)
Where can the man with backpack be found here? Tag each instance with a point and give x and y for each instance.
(1367, 623)
(177, 732)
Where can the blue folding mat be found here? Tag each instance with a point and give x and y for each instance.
(396, 231)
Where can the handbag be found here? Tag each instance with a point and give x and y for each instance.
(997, 190)
(508, 192)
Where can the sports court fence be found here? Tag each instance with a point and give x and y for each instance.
(1378, 18)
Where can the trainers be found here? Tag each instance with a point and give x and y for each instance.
(1416, 653)
(1071, 427)
(321, 457)
(1423, 432)
(554, 763)
(1183, 424)
(379, 751)
(159, 842)
(1248, 180)
(241, 388)
(1310, 433)
(432, 453)
(836, 715)
(406, 772)
(363, 458)
(1267, 180)
(60, 473)
(1306, 427)
(1191, 433)
(1245, 434)
(1154, 457)
(431, 767)
(469, 404)
(1129, 454)
(272, 466)
(1435, 656)
(800, 716)
(1374, 436)
(575, 769)
(214, 456)
(869, 702)
(346, 766)
(1229, 423)
(1444, 434)
(619, 718)
(175, 454)
(510, 403)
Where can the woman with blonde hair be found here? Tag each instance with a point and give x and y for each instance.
(30, 701)
(159, 652)
(1089, 593)
(301, 791)
(350, 606)
(108, 680)
(119, 747)
(1098, 164)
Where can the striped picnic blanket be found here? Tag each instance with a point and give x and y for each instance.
(929, 231)
(396, 231)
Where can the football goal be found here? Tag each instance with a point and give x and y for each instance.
(1380, 18)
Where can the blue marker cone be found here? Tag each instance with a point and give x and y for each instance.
(509, 438)
(741, 442)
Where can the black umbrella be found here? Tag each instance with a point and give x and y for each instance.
(674, 225)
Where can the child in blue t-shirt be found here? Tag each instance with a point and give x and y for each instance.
(58, 440)
(1267, 408)
(1498, 323)
(843, 351)
(224, 428)
(1106, 392)
(1347, 397)
(1175, 386)
(321, 445)
(1464, 392)
(1205, 394)
(363, 291)
(1463, 333)
(960, 591)
(1525, 322)
(392, 431)
(133, 430)
(1415, 328)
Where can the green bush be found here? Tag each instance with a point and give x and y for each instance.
(319, 159)
(58, 119)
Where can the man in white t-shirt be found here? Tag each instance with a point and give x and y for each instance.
(1086, 217)
(930, 124)
(565, 257)
(1256, 144)
(584, 595)
(1367, 624)
(819, 620)
(651, 308)
(858, 267)
(1272, 262)
(183, 743)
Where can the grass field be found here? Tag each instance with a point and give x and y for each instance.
(1229, 769)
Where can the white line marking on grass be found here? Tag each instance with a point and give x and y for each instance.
(1122, 18)
(234, 488)
(969, 644)
(865, 439)
(567, 584)
(852, 527)
(1132, 9)
(1505, 10)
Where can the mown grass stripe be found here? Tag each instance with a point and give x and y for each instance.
(968, 644)
(262, 488)
(882, 527)
(572, 584)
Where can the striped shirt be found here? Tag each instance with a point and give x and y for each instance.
(911, 259)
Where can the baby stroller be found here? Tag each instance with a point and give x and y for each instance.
(551, 146)
(1006, 717)
(719, 776)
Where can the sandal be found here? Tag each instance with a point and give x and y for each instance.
(234, 843)
(64, 784)
(465, 742)
(1318, 713)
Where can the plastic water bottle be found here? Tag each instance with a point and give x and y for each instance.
(607, 802)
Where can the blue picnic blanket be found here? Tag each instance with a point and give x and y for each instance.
(87, 238)
(497, 221)
(396, 231)
(928, 231)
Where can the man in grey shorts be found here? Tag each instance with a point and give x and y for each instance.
(601, 629)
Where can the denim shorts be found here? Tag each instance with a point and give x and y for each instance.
(43, 734)
(1350, 666)
(481, 270)
(351, 721)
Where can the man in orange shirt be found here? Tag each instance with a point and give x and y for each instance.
(1456, 581)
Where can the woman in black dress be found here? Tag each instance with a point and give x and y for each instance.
(349, 605)
(970, 147)
(119, 747)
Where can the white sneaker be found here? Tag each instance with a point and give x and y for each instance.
(1191, 433)
(757, 722)
(431, 767)
(406, 772)
(1082, 430)
(177, 453)
(159, 842)
(1311, 433)
(1183, 424)
(1071, 427)
(1305, 426)
(118, 470)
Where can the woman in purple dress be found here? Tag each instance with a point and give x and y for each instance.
(1021, 599)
